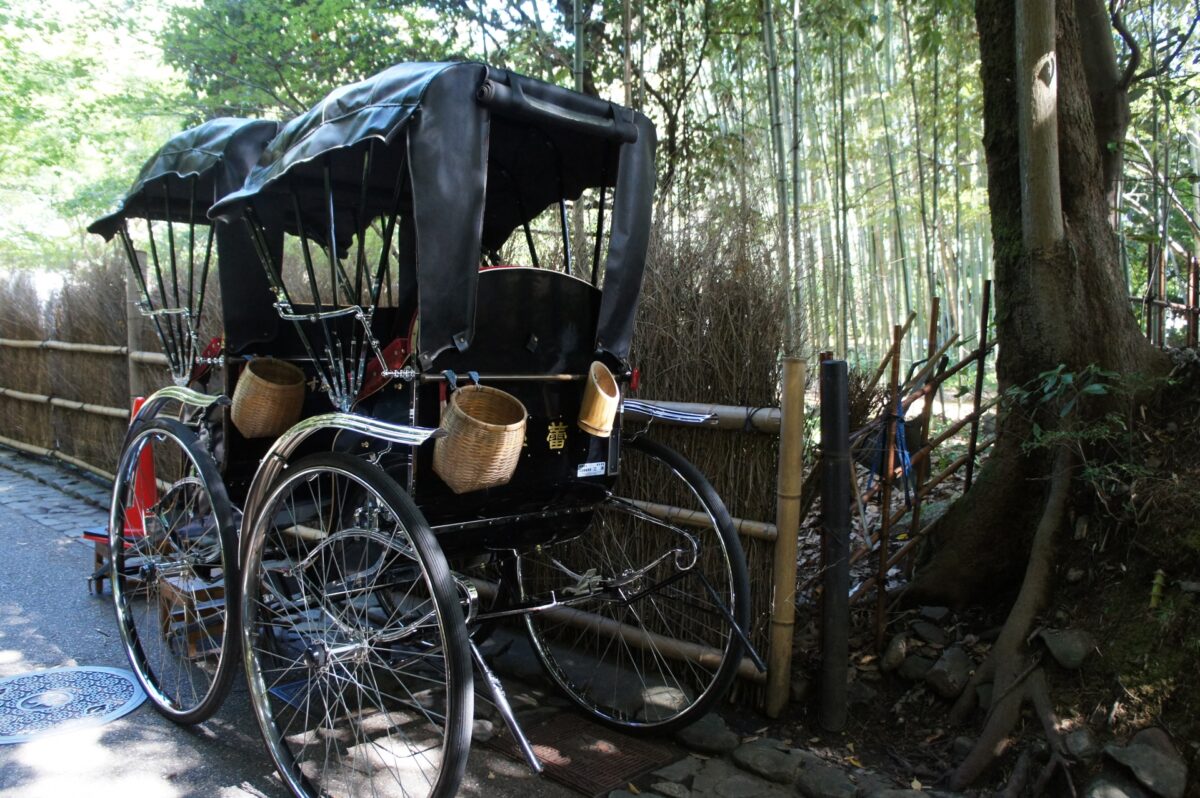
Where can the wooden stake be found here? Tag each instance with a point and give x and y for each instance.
(979, 372)
(889, 468)
(787, 524)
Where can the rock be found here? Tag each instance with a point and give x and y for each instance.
(1081, 744)
(482, 730)
(896, 651)
(671, 789)
(712, 774)
(682, 770)
(801, 688)
(661, 702)
(818, 780)
(1156, 738)
(1069, 647)
(897, 793)
(1164, 774)
(771, 759)
(859, 693)
(929, 633)
(709, 735)
(1114, 785)
(1075, 575)
(935, 614)
(950, 673)
(1190, 587)
(961, 747)
(743, 786)
(915, 667)
(628, 794)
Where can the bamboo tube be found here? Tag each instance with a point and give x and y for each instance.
(694, 518)
(42, 451)
(70, 404)
(63, 346)
(150, 358)
(760, 419)
(787, 523)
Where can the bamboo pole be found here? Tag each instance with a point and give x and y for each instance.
(149, 358)
(42, 451)
(787, 522)
(1193, 300)
(922, 470)
(759, 530)
(979, 372)
(63, 346)
(893, 418)
(69, 404)
(888, 357)
(759, 419)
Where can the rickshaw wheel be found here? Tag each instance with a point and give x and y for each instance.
(645, 641)
(174, 570)
(355, 645)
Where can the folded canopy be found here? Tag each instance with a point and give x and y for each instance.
(469, 153)
(217, 155)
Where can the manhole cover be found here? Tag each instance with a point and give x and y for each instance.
(588, 758)
(54, 700)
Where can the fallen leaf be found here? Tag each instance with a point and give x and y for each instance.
(916, 785)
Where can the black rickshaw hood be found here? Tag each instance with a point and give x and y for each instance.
(219, 152)
(445, 111)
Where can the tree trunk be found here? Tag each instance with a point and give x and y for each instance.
(1055, 303)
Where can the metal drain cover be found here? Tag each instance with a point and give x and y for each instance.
(59, 699)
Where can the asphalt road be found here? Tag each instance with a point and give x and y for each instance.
(48, 619)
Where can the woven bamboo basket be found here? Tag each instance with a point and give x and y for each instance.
(268, 398)
(485, 429)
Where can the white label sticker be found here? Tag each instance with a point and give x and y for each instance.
(590, 470)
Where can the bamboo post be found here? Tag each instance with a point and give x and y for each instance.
(889, 466)
(922, 470)
(835, 544)
(1162, 294)
(1193, 300)
(133, 320)
(787, 525)
(980, 370)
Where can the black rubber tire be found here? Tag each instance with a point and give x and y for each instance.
(150, 560)
(320, 620)
(585, 678)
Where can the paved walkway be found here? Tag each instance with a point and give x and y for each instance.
(48, 619)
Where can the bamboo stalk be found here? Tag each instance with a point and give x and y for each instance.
(63, 346)
(893, 418)
(69, 404)
(787, 522)
(150, 358)
(888, 357)
(759, 530)
(979, 372)
(922, 470)
(1193, 300)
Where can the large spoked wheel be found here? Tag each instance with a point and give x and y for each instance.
(355, 645)
(174, 570)
(646, 640)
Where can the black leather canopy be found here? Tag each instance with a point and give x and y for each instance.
(469, 154)
(218, 154)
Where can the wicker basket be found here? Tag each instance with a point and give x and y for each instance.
(485, 429)
(268, 398)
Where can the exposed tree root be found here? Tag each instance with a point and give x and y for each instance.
(1016, 675)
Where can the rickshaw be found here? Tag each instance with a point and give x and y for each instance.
(347, 558)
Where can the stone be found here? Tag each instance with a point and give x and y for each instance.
(961, 747)
(1081, 744)
(859, 693)
(915, 667)
(742, 786)
(897, 650)
(1163, 774)
(482, 730)
(1075, 575)
(709, 735)
(1156, 738)
(818, 780)
(713, 773)
(628, 794)
(661, 702)
(671, 789)
(1069, 647)
(1190, 587)
(1114, 785)
(935, 614)
(949, 675)
(929, 633)
(680, 771)
(770, 759)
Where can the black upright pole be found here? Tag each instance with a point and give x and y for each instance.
(835, 510)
